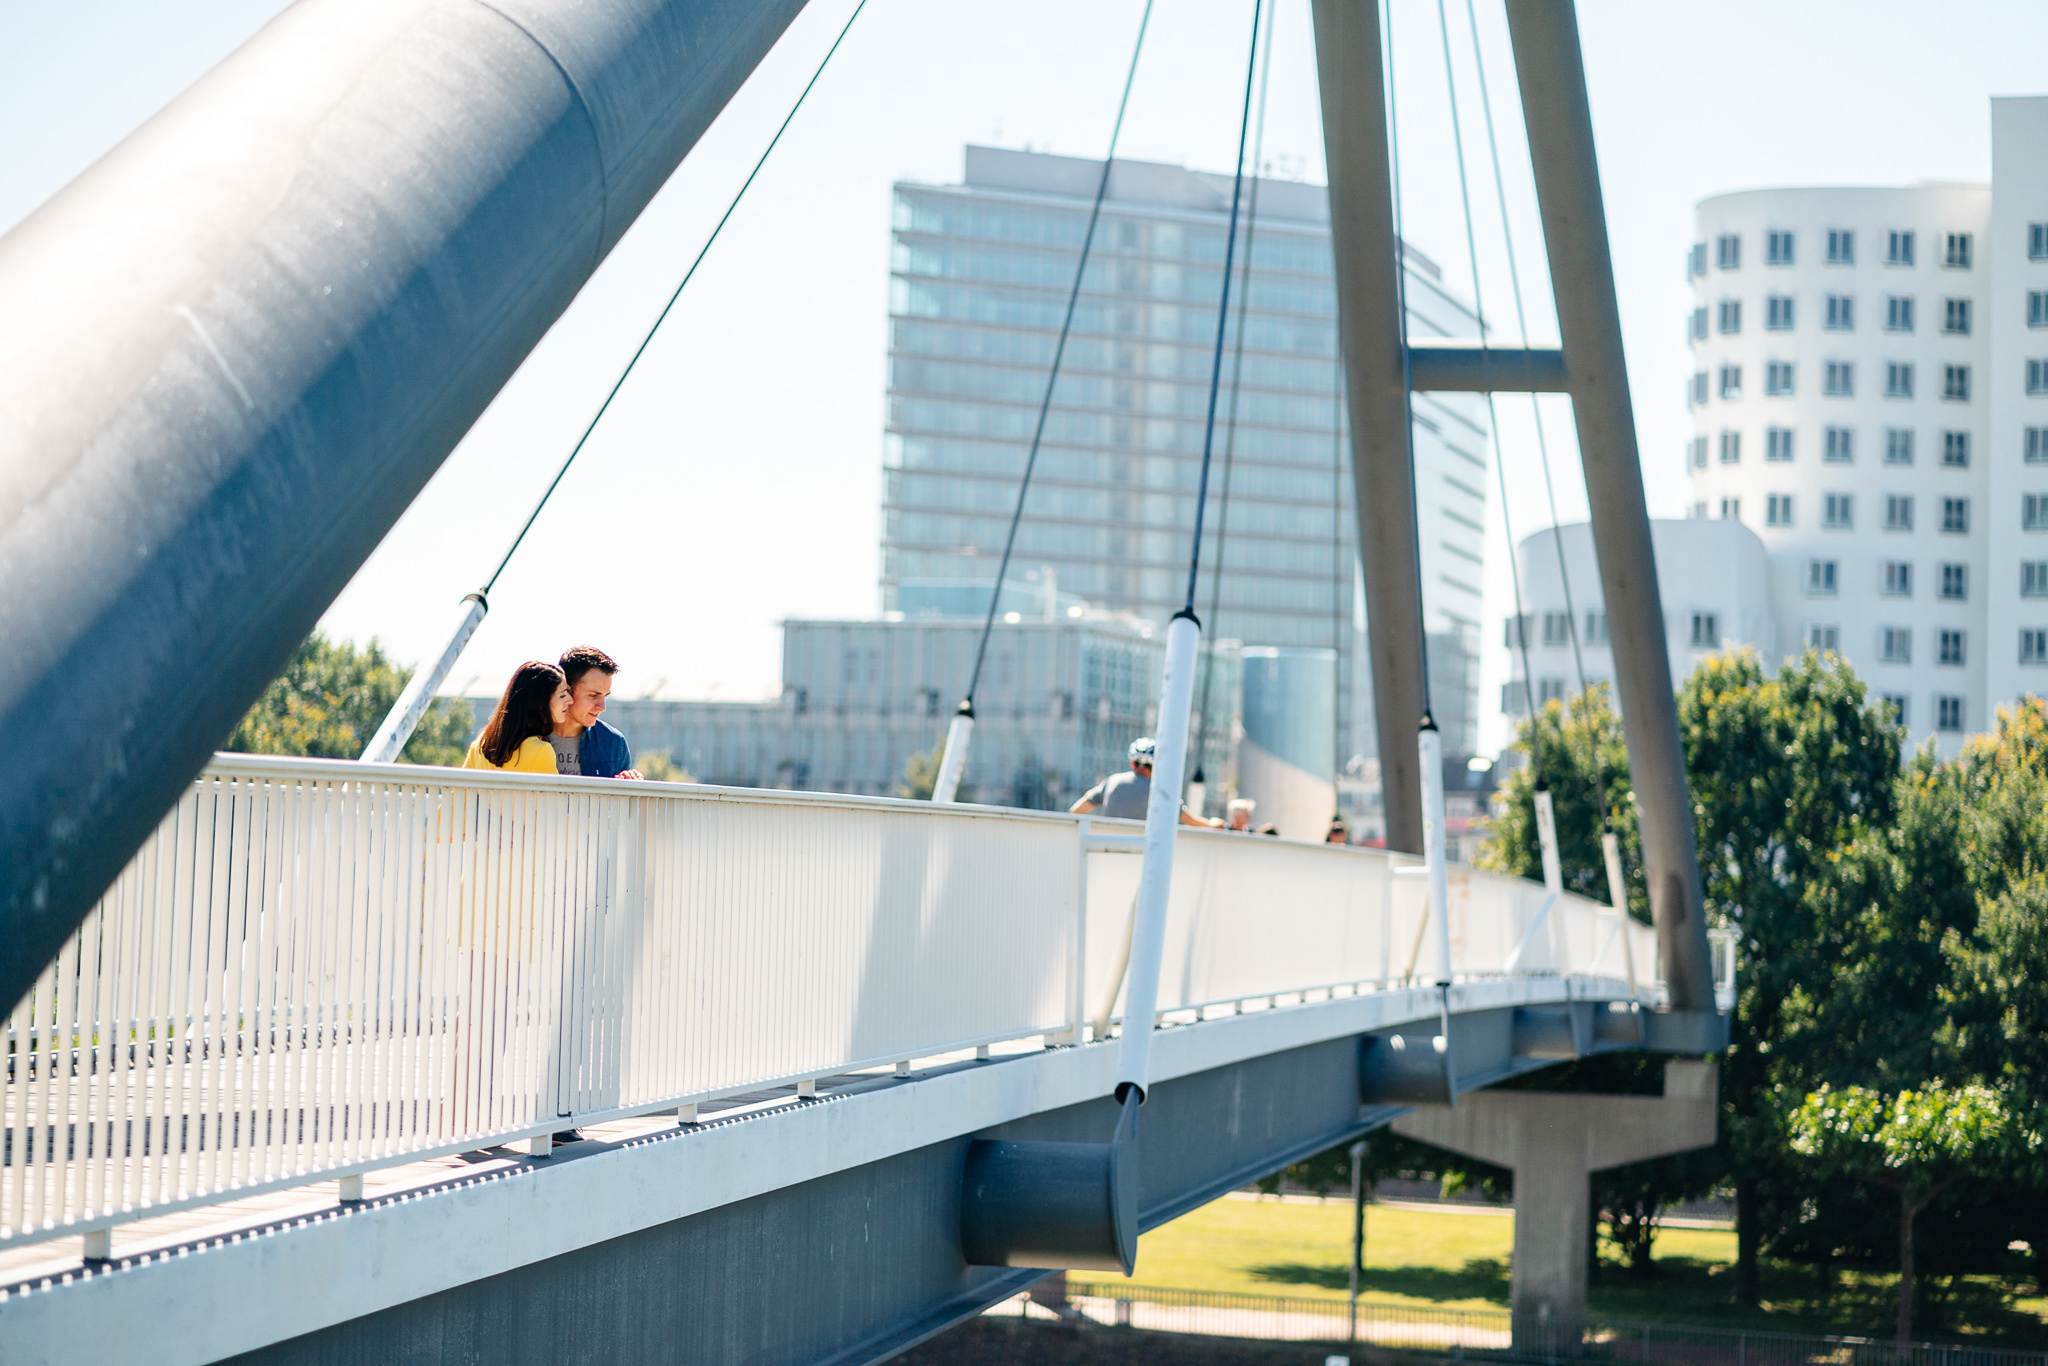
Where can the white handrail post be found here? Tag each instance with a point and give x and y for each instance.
(1617, 892)
(954, 762)
(1553, 880)
(1546, 836)
(1429, 746)
(1155, 881)
(404, 718)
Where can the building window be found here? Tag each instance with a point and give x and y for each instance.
(2037, 377)
(1825, 637)
(1897, 702)
(1728, 251)
(1839, 381)
(1898, 512)
(2034, 512)
(1731, 381)
(1778, 313)
(1699, 510)
(2033, 645)
(2037, 445)
(1955, 583)
(1706, 630)
(1778, 510)
(1778, 443)
(1955, 317)
(1596, 628)
(1899, 249)
(1948, 711)
(1778, 378)
(1955, 251)
(1557, 629)
(1841, 313)
(1696, 394)
(1696, 260)
(1731, 448)
(1898, 579)
(1731, 509)
(1549, 690)
(2037, 308)
(1955, 450)
(1777, 248)
(1820, 578)
(2037, 241)
(1955, 383)
(1696, 325)
(1838, 512)
(1895, 644)
(1898, 379)
(1898, 313)
(1729, 319)
(2034, 578)
(1841, 247)
(1898, 445)
(1696, 452)
(1955, 516)
(1840, 447)
(1515, 632)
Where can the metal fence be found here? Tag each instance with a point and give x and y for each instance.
(314, 968)
(1480, 1332)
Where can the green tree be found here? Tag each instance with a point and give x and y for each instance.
(657, 767)
(921, 773)
(1916, 1143)
(1785, 770)
(331, 698)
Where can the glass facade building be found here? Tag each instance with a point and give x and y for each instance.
(980, 278)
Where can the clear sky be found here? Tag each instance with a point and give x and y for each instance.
(744, 457)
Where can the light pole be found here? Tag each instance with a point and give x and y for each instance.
(1358, 1150)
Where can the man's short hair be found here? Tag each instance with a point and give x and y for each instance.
(1244, 804)
(579, 660)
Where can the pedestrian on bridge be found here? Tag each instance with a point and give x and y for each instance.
(583, 742)
(514, 739)
(1125, 795)
(1239, 814)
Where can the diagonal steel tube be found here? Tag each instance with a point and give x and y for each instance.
(1367, 252)
(1555, 108)
(240, 344)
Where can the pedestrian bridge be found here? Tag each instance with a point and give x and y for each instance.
(318, 1035)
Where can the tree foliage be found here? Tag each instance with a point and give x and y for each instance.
(331, 698)
(1917, 1143)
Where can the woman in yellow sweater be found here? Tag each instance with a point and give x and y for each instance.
(514, 740)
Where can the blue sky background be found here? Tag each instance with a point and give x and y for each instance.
(748, 446)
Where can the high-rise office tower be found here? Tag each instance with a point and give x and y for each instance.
(982, 271)
(1870, 396)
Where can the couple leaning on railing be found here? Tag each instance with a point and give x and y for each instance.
(550, 720)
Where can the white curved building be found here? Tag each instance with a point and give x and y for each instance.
(1863, 399)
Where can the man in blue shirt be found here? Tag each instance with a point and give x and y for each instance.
(585, 744)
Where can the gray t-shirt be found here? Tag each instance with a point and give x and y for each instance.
(568, 754)
(1122, 794)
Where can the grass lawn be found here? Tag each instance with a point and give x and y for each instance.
(1455, 1259)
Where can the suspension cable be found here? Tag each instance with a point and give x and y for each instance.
(1222, 318)
(1542, 444)
(641, 350)
(1486, 370)
(1059, 351)
(1401, 302)
(1244, 299)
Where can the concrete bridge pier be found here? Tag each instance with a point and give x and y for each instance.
(1554, 1141)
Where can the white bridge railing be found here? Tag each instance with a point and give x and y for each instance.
(314, 968)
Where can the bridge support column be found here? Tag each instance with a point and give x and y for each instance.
(1554, 1141)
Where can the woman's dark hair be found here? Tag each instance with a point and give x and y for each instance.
(522, 712)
